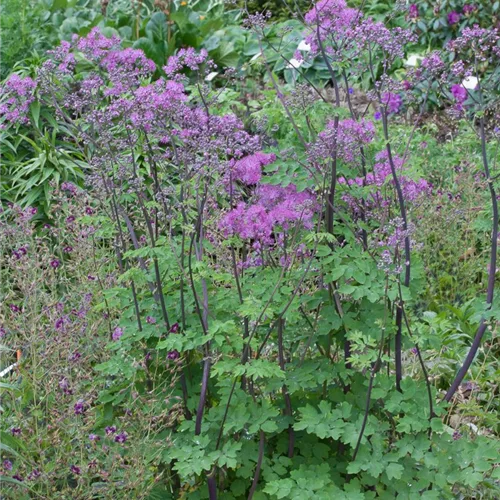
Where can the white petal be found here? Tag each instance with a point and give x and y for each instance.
(256, 56)
(303, 45)
(470, 82)
(413, 60)
(294, 63)
(211, 76)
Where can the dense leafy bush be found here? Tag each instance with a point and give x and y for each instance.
(256, 296)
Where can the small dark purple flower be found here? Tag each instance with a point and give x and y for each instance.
(121, 437)
(89, 210)
(69, 186)
(15, 431)
(75, 356)
(70, 219)
(377, 115)
(3, 332)
(406, 84)
(470, 386)
(150, 320)
(18, 477)
(55, 263)
(14, 308)
(7, 465)
(414, 351)
(91, 278)
(34, 474)
(350, 90)
(413, 11)
(79, 407)
(173, 355)
(75, 470)
(23, 250)
(453, 17)
(469, 9)
(64, 386)
(174, 328)
(117, 333)
(16, 254)
(59, 323)
(111, 429)
(94, 437)
(67, 249)
(456, 435)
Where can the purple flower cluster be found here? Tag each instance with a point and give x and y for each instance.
(377, 179)
(19, 93)
(273, 207)
(459, 93)
(453, 17)
(117, 333)
(413, 11)
(345, 140)
(392, 101)
(186, 58)
(248, 170)
(79, 407)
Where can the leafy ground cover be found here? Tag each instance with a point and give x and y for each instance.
(246, 259)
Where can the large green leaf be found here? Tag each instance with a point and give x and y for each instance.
(157, 28)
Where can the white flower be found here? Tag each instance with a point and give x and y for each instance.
(211, 76)
(470, 82)
(294, 63)
(413, 60)
(303, 45)
(256, 56)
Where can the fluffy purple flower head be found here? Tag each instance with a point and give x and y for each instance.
(67, 249)
(19, 94)
(392, 101)
(453, 17)
(248, 170)
(55, 263)
(15, 431)
(94, 437)
(117, 333)
(14, 308)
(174, 328)
(7, 465)
(377, 115)
(111, 429)
(186, 58)
(459, 93)
(18, 477)
(150, 320)
(413, 11)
